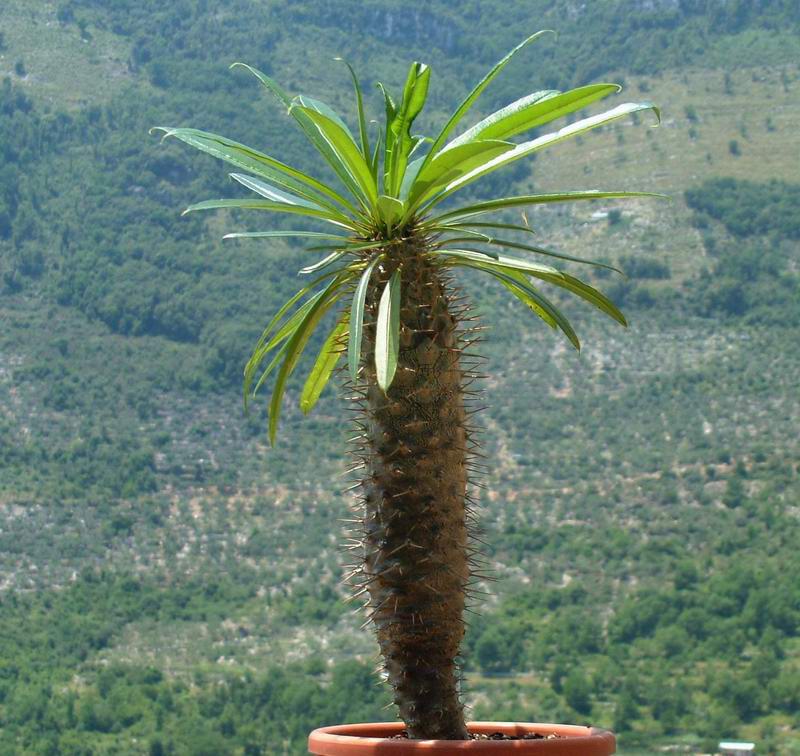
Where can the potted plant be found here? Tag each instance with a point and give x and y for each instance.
(390, 249)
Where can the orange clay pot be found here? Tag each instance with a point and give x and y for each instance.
(374, 740)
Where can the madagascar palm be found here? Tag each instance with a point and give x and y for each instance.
(389, 249)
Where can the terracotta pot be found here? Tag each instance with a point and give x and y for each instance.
(373, 740)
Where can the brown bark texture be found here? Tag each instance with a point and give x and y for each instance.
(415, 449)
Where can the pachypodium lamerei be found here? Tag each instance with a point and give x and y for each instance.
(390, 250)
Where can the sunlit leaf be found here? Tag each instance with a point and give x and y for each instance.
(362, 121)
(357, 320)
(387, 332)
(294, 348)
(537, 297)
(278, 234)
(350, 161)
(535, 110)
(501, 261)
(324, 263)
(399, 140)
(470, 99)
(391, 210)
(491, 206)
(320, 374)
(257, 162)
(276, 207)
(534, 145)
(451, 163)
(273, 193)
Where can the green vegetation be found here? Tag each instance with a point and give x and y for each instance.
(752, 274)
(657, 454)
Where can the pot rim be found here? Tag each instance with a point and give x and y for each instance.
(373, 739)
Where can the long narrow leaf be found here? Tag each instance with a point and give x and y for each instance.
(276, 207)
(259, 351)
(257, 162)
(348, 157)
(415, 93)
(357, 320)
(587, 293)
(534, 145)
(463, 226)
(307, 125)
(324, 263)
(536, 297)
(469, 236)
(294, 348)
(470, 99)
(376, 155)
(281, 234)
(451, 163)
(500, 261)
(273, 193)
(323, 109)
(362, 121)
(550, 253)
(320, 374)
(491, 206)
(519, 292)
(387, 336)
(535, 110)
(264, 347)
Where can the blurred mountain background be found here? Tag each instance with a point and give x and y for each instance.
(169, 585)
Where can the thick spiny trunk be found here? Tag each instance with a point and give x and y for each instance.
(415, 532)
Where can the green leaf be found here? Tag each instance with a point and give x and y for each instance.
(308, 126)
(469, 236)
(412, 171)
(387, 336)
(482, 252)
(391, 210)
(277, 207)
(350, 245)
(348, 161)
(549, 275)
(519, 292)
(272, 86)
(470, 99)
(325, 110)
(491, 206)
(294, 348)
(263, 347)
(272, 193)
(535, 110)
(477, 224)
(501, 261)
(545, 304)
(260, 351)
(279, 234)
(451, 163)
(320, 374)
(589, 294)
(399, 140)
(257, 162)
(376, 153)
(362, 121)
(551, 253)
(357, 320)
(324, 263)
(389, 104)
(534, 145)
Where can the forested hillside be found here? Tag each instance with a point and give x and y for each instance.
(168, 584)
